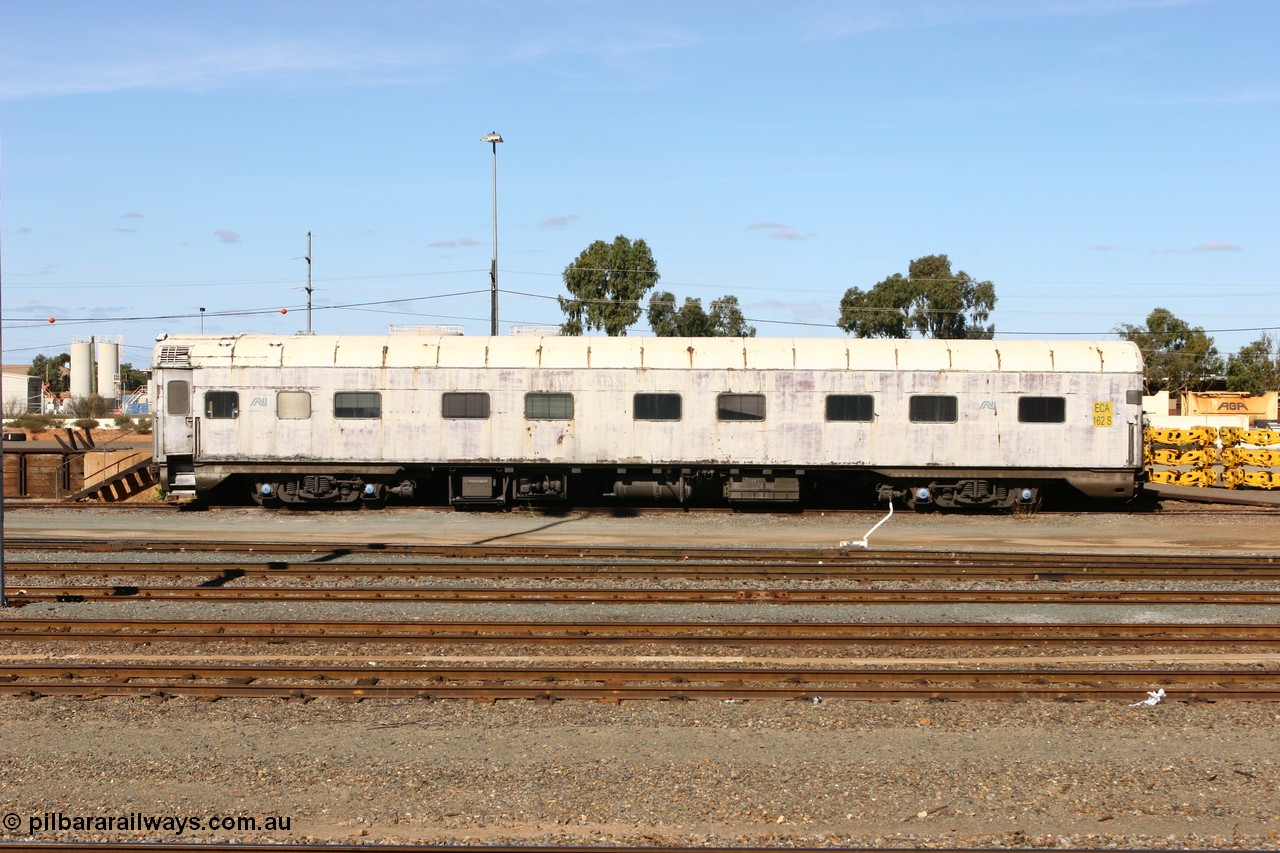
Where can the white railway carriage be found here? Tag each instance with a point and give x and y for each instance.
(488, 421)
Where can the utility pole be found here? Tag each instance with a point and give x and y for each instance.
(493, 138)
(309, 288)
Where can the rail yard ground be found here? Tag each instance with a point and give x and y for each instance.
(904, 774)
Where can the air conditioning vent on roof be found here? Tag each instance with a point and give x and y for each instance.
(175, 356)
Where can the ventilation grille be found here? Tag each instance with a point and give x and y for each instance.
(175, 356)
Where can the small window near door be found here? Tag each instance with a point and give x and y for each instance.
(221, 404)
(293, 405)
(177, 397)
(1042, 410)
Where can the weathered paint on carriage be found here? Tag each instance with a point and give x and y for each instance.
(412, 372)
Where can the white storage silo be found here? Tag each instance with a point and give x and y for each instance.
(81, 369)
(108, 371)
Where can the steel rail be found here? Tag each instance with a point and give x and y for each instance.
(47, 630)
(494, 692)
(697, 595)
(1043, 569)
(307, 847)
(551, 673)
(508, 551)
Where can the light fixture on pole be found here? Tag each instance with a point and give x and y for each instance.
(494, 138)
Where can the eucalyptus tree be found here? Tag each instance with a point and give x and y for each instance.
(930, 301)
(607, 283)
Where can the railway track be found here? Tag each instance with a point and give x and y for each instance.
(699, 595)
(478, 576)
(306, 847)
(626, 683)
(737, 565)
(491, 679)
(1223, 636)
(516, 553)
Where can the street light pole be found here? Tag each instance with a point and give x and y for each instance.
(493, 137)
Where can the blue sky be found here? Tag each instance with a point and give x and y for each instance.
(1094, 159)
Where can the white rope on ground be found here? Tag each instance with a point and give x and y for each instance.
(862, 543)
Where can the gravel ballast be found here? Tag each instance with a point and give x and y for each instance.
(827, 773)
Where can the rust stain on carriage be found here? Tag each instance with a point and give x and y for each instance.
(690, 351)
(385, 350)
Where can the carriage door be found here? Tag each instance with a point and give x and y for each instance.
(173, 429)
(176, 415)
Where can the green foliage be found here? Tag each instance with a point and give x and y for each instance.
(56, 371)
(607, 283)
(1256, 368)
(32, 422)
(85, 423)
(1178, 357)
(93, 406)
(690, 321)
(930, 301)
(130, 379)
(143, 426)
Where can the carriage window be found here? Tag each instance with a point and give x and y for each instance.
(933, 409)
(177, 397)
(293, 405)
(850, 407)
(546, 406)
(1042, 410)
(357, 404)
(740, 407)
(657, 407)
(221, 404)
(465, 405)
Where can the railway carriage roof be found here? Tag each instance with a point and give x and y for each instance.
(554, 352)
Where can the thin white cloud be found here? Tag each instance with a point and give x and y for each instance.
(778, 230)
(226, 235)
(788, 234)
(558, 221)
(192, 48)
(1207, 246)
(453, 244)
